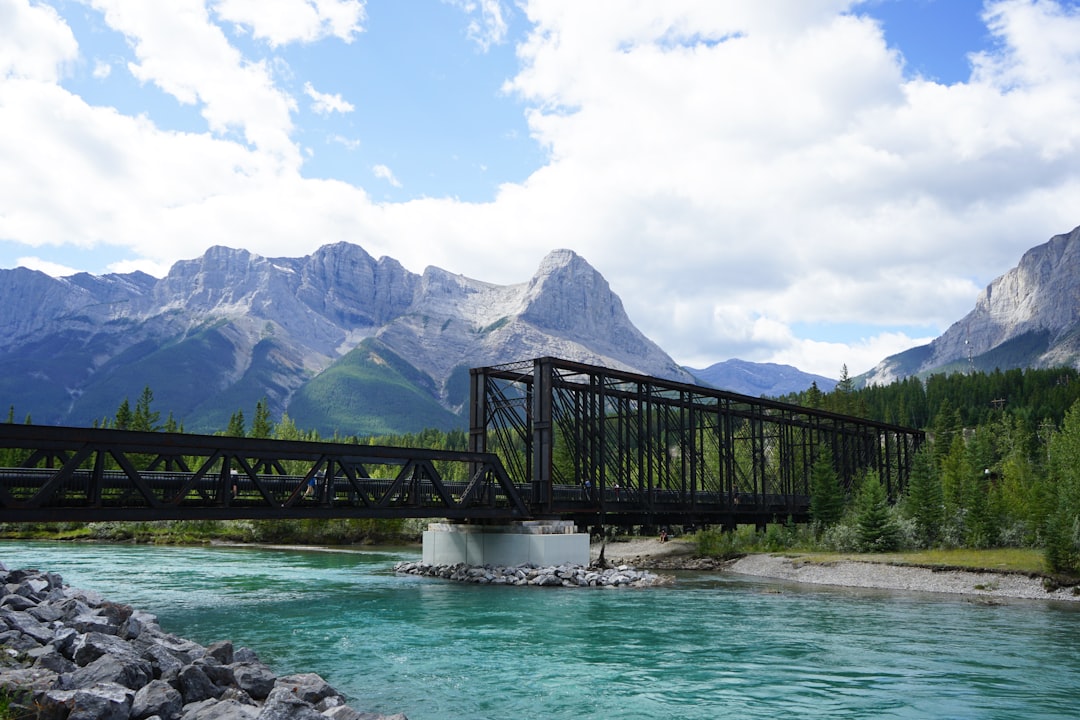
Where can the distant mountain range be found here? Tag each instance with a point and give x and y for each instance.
(339, 340)
(1027, 318)
(759, 379)
(346, 343)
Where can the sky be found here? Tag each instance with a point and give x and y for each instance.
(818, 183)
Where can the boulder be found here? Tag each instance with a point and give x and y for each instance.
(194, 685)
(105, 701)
(156, 698)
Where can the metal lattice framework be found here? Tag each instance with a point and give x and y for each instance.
(608, 446)
(54, 474)
(548, 438)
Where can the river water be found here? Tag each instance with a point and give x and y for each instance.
(711, 646)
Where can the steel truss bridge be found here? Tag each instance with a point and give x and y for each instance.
(548, 439)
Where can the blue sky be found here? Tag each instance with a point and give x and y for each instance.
(812, 182)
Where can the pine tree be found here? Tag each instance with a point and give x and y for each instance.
(124, 416)
(826, 495)
(924, 502)
(144, 418)
(876, 529)
(236, 424)
(261, 426)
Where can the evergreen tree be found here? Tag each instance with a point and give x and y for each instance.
(144, 418)
(261, 426)
(954, 472)
(1063, 545)
(236, 425)
(124, 416)
(875, 527)
(826, 495)
(171, 425)
(924, 502)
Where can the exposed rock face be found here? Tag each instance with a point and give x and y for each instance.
(240, 327)
(1028, 317)
(67, 653)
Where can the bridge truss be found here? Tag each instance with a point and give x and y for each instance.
(63, 474)
(548, 439)
(605, 446)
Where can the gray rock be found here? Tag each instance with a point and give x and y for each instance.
(17, 602)
(221, 651)
(284, 704)
(308, 687)
(223, 710)
(106, 701)
(93, 645)
(254, 678)
(127, 670)
(194, 685)
(156, 698)
(25, 623)
(50, 658)
(165, 665)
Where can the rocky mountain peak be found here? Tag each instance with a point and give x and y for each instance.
(1028, 317)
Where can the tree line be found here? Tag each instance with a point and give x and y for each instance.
(1001, 467)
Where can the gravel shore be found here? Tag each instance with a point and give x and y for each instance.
(677, 554)
(992, 585)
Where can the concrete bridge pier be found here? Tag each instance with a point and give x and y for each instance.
(539, 542)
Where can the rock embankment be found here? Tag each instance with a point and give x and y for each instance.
(553, 576)
(68, 654)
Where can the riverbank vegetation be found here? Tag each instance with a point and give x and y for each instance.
(999, 474)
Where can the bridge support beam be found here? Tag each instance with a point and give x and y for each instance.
(539, 542)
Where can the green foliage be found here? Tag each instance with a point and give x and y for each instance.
(877, 532)
(262, 426)
(924, 502)
(827, 495)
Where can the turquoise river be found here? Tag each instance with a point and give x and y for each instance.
(712, 645)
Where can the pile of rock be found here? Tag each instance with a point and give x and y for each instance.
(68, 654)
(554, 576)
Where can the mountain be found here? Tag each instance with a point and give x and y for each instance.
(1027, 318)
(759, 379)
(339, 340)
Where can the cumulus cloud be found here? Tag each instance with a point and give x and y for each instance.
(734, 170)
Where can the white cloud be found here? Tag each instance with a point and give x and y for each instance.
(325, 104)
(735, 170)
(35, 42)
(384, 173)
(55, 270)
(182, 52)
(487, 22)
(102, 70)
(281, 22)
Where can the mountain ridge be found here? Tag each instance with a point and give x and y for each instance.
(232, 326)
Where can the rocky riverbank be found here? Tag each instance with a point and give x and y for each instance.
(554, 576)
(69, 654)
